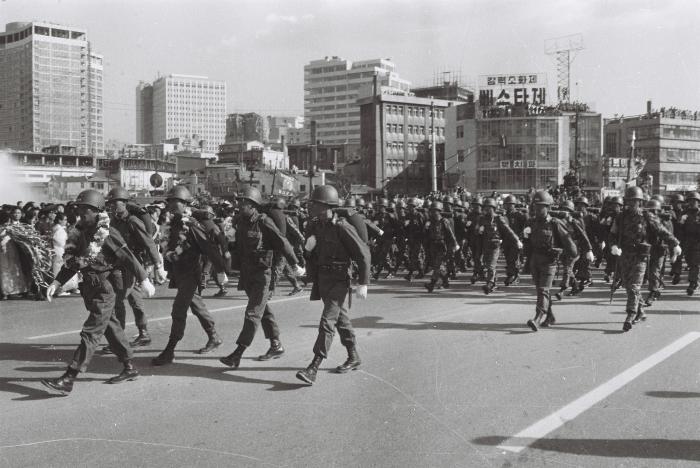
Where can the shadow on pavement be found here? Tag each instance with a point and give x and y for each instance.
(672, 394)
(665, 449)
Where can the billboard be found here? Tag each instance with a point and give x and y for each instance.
(510, 89)
(285, 185)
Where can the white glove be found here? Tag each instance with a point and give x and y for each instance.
(481, 229)
(51, 290)
(299, 271)
(616, 251)
(222, 278)
(381, 233)
(526, 232)
(589, 256)
(310, 243)
(148, 288)
(456, 248)
(227, 255)
(684, 218)
(361, 291)
(677, 251)
(469, 223)
(602, 245)
(160, 273)
(519, 245)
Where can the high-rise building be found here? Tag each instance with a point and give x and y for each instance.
(182, 106)
(246, 127)
(331, 88)
(51, 92)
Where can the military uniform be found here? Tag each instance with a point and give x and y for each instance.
(413, 226)
(440, 242)
(473, 239)
(493, 230)
(657, 254)
(690, 232)
(517, 222)
(388, 224)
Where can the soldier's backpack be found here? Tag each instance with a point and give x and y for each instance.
(356, 220)
(145, 217)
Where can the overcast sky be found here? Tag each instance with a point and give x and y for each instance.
(634, 49)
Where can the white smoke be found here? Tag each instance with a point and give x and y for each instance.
(13, 188)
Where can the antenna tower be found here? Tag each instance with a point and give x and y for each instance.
(564, 50)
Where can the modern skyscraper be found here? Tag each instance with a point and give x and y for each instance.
(182, 106)
(51, 92)
(331, 88)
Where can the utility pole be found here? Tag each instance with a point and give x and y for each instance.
(313, 155)
(630, 160)
(576, 156)
(433, 151)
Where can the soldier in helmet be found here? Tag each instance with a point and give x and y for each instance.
(588, 222)
(473, 238)
(99, 253)
(548, 238)
(281, 267)
(493, 230)
(137, 238)
(629, 236)
(389, 225)
(401, 256)
(517, 221)
(257, 240)
(611, 209)
(690, 232)
(413, 228)
(583, 249)
(678, 207)
(440, 242)
(333, 244)
(657, 254)
(186, 250)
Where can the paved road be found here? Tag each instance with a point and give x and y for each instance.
(449, 379)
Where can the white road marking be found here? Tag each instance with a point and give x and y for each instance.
(557, 419)
(167, 317)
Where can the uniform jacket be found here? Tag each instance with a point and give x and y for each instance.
(191, 237)
(548, 234)
(494, 228)
(632, 229)
(134, 232)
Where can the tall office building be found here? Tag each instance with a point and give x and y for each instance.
(51, 91)
(331, 88)
(182, 106)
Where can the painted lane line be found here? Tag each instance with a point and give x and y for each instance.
(167, 317)
(557, 419)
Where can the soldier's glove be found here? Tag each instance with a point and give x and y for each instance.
(526, 232)
(298, 270)
(227, 255)
(361, 291)
(602, 245)
(148, 288)
(589, 256)
(51, 290)
(616, 251)
(221, 278)
(160, 274)
(684, 218)
(310, 244)
(676, 252)
(519, 245)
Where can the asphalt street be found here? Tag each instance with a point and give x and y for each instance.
(453, 378)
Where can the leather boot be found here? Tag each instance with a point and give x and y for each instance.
(144, 339)
(214, 342)
(430, 286)
(691, 288)
(63, 384)
(308, 375)
(234, 359)
(409, 276)
(420, 274)
(351, 363)
(128, 373)
(166, 356)
(532, 323)
(275, 351)
(627, 326)
(640, 316)
(549, 319)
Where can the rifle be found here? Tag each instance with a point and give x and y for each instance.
(615, 280)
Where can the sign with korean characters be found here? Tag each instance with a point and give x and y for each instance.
(509, 89)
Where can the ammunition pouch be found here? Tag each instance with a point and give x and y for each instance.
(336, 270)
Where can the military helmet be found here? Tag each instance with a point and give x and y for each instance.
(634, 193)
(582, 201)
(411, 202)
(477, 201)
(326, 194)
(459, 204)
(296, 203)
(426, 203)
(383, 202)
(118, 193)
(360, 202)
(677, 198)
(278, 202)
(693, 196)
(250, 193)
(510, 200)
(617, 201)
(179, 192)
(653, 204)
(350, 203)
(567, 205)
(91, 198)
(490, 202)
(400, 204)
(436, 205)
(392, 206)
(542, 197)
(370, 206)
(659, 198)
(448, 199)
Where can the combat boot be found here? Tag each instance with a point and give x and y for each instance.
(446, 282)
(474, 278)
(640, 315)
(214, 342)
(167, 355)
(144, 339)
(676, 279)
(63, 384)
(532, 323)
(234, 359)
(308, 375)
(276, 350)
(409, 276)
(420, 274)
(488, 287)
(128, 373)
(691, 288)
(549, 320)
(351, 363)
(627, 326)
(430, 286)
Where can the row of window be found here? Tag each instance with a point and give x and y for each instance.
(518, 152)
(515, 179)
(414, 129)
(413, 111)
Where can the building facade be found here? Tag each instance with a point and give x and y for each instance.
(134, 174)
(183, 106)
(254, 155)
(37, 168)
(667, 140)
(331, 88)
(246, 127)
(395, 140)
(51, 91)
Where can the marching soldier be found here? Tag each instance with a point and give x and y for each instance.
(578, 234)
(493, 230)
(517, 222)
(548, 239)
(99, 253)
(629, 238)
(677, 205)
(257, 240)
(281, 268)
(690, 222)
(387, 223)
(657, 254)
(588, 221)
(414, 224)
(439, 240)
(187, 249)
(611, 209)
(334, 245)
(473, 238)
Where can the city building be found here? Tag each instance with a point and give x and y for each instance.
(447, 90)
(134, 174)
(667, 143)
(66, 188)
(182, 106)
(51, 91)
(246, 127)
(331, 88)
(37, 168)
(395, 144)
(254, 154)
(280, 127)
(329, 157)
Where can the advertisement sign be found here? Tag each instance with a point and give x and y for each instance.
(509, 89)
(285, 185)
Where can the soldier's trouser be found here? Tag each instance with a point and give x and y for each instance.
(610, 261)
(567, 275)
(333, 291)
(258, 312)
(692, 258)
(582, 268)
(99, 297)
(415, 263)
(490, 257)
(512, 255)
(543, 270)
(632, 269)
(187, 297)
(677, 267)
(437, 262)
(656, 262)
(475, 250)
